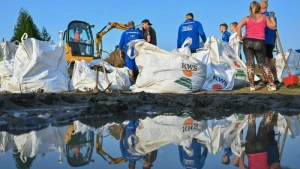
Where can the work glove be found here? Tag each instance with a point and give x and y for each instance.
(272, 14)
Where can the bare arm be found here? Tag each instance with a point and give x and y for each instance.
(148, 35)
(241, 162)
(240, 26)
(271, 23)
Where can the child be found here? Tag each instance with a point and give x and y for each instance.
(234, 40)
(225, 33)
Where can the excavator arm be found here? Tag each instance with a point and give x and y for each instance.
(104, 155)
(107, 28)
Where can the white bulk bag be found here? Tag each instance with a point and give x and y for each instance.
(161, 71)
(39, 65)
(225, 69)
(293, 60)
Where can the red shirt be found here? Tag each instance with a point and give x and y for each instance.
(258, 161)
(256, 30)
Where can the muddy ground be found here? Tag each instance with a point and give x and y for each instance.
(33, 110)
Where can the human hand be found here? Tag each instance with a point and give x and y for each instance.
(272, 14)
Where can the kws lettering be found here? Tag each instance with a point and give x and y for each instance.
(190, 127)
(220, 80)
(189, 67)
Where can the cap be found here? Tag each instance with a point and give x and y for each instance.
(190, 14)
(146, 21)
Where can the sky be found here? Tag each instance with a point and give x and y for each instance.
(166, 16)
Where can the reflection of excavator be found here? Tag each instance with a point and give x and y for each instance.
(103, 154)
(79, 147)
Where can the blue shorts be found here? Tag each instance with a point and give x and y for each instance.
(130, 63)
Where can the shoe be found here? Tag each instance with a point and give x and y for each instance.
(272, 87)
(277, 83)
(252, 88)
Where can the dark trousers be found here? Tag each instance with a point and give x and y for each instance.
(257, 143)
(256, 48)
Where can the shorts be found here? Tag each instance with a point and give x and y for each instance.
(269, 50)
(130, 63)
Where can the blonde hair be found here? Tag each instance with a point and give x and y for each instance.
(254, 8)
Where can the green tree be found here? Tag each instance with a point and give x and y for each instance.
(45, 35)
(25, 24)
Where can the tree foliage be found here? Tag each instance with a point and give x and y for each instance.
(25, 24)
(45, 35)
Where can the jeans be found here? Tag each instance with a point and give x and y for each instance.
(256, 48)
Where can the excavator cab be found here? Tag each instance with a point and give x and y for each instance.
(79, 147)
(79, 41)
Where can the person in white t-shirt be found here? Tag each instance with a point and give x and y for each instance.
(234, 40)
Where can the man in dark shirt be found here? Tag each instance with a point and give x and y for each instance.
(149, 33)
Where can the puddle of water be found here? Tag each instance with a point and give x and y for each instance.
(162, 141)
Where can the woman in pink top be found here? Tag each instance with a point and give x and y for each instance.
(253, 43)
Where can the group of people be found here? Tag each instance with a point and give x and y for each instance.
(262, 149)
(258, 40)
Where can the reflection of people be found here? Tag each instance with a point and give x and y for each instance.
(149, 158)
(273, 151)
(192, 157)
(254, 43)
(256, 145)
(192, 29)
(226, 157)
(127, 142)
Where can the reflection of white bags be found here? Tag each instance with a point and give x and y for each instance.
(39, 65)
(84, 78)
(294, 129)
(222, 133)
(161, 71)
(225, 69)
(162, 130)
(293, 60)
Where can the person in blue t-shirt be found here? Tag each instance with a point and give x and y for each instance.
(129, 133)
(226, 157)
(127, 36)
(225, 34)
(192, 29)
(270, 40)
(194, 159)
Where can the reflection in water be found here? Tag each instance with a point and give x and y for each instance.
(140, 140)
(79, 147)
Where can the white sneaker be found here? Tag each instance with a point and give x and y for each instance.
(252, 88)
(272, 87)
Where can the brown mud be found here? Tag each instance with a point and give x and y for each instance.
(37, 110)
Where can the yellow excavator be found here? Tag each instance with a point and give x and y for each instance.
(79, 40)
